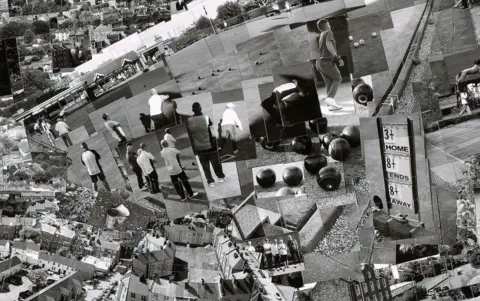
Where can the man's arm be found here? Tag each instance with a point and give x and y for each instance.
(150, 156)
(238, 122)
(97, 155)
(83, 162)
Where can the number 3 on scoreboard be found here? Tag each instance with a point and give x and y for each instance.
(388, 134)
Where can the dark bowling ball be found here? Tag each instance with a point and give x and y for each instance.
(327, 139)
(318, 126)
(302, 145)
(199, 88)
(328, 178)
(213, 74)
(313, 163)
(362, 94)
(292, 176)
(357, 81)
(199, 77)
(266, 177)
(339, 149)
(351, 133)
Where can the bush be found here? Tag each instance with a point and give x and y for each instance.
(229, 10)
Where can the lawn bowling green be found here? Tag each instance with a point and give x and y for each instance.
(189, 58)
(227, 72)
(234, 36)
(148, 80)
(263, 54)
(246, 146)
(139, 104)
(116, 113)
(293, 44)
(77, 172)
(396, 167)
(198, 81)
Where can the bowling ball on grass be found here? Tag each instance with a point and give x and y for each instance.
(339, 149)
(313, 163)
(302, 145)
(328, 138)
(266, 177)
(351, 133)
(292, 176)
(329, 178)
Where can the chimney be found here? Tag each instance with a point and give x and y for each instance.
(203, 282)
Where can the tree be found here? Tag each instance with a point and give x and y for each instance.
(109, 19)
(63, 251)
(38, 277)
(29, 233)
(35, 80)
(202, 23)
(29, 36)
(229, 10)
(40, 27)
(13, 29)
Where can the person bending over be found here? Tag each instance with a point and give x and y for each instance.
(230, 123)
(463, 75)
(114, 128)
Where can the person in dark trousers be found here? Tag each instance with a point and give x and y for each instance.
(267, 249)
(327, 63)
(146, 122)
(205, 145)
(91, 159)
(293, 249)
(228, 127)
(171, 155)
(145, 160)
(63, 129)
(155, 102)
(132, 160)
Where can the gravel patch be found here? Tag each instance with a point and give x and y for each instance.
(419, 72)
(75, 204)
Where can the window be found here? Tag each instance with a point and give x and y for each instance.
(372, 286)
(369, 275)
(374, 297)
(357, 289)
(385, 281)
(378, 283)
(132, 295)
(367, 298)
(381, 297)
(365, 288)
(144, 298)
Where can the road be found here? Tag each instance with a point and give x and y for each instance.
(455, 280)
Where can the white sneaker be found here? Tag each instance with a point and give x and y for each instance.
(211, 184)
(330, 102)
(222, 180)
(194, 194)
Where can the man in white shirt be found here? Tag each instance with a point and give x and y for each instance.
(267, 249)
(250, 248)
(146, 162)
(114, 128)
(90, 158)
(62, 129)
(169, 138)
(229, 125)
(156, 109)
(175, 171)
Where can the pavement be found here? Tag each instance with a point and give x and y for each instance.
(452, 279)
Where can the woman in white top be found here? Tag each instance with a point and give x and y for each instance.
(464, 102)
(288, 7)
(282, 249)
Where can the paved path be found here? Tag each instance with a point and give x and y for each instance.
(455, 280)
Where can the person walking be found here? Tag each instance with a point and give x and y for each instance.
(47, 127)
(327, 64)
(293, 249)
(114, 128)
(282, 249)
(267, 249)
(175, 170)
(91, 159)
(464, 102)
(146, 122)
(204, 143)
(169, 138)
(146, 162)
(37, 128)
(63, 129)
(229, 125)
(288, 8)
(275, 254)
(156, 109)
(132, 160)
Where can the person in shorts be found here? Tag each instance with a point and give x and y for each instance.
(91, 159)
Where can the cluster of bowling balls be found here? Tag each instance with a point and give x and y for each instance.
(338, 147)
(292, 176)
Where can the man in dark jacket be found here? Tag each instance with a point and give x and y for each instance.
(205, 144)
(293, 249)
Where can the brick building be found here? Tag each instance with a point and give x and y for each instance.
(374, 286)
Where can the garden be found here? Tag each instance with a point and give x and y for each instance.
(13, 142)
(46, 172)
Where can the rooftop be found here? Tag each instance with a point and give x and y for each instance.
(62, 230)
(24, 245)
(9, 263)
